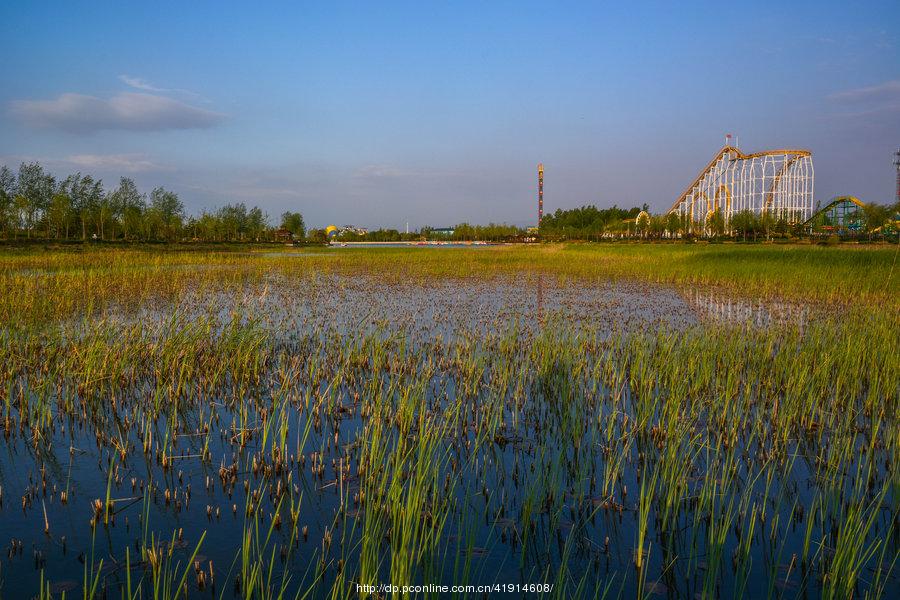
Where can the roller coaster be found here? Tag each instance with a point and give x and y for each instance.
(777, 182)
(846, 216)
(842, 215)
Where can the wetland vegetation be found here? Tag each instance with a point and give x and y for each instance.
(683, 421)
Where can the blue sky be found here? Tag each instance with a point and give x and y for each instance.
(378, 113)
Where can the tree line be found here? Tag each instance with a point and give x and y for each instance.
(589, 222)
(492, 232)
(592, 223)
(35, 204)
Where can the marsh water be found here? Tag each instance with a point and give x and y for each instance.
(522, 501)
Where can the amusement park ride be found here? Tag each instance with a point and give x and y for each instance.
(775, 182)
(779, 182)
(842, 215)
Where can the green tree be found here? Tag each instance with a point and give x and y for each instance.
(673, 223)
(166, 212)
(745, 223)
(318, 236)
(586, 222)
(257, 223)
(782, 226)
(766, 223)
(207, 227)
(642, 224)
(103, 216)
(7, 198)
(129, 206)
(35, 189)
(234, 221)
(877, 216)
(464, 232)
(85, 194)
(60, 215)
(715, 224)
(293, 222)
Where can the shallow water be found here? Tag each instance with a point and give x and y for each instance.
(448, 307)
(336, 320)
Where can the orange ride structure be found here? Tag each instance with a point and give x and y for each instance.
(777, 182)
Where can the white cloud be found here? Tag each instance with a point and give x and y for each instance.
(884, 92)
(378, 172)
(127, 163)
(78, 113)
(875, 106)
(105, 164)
(139, 83)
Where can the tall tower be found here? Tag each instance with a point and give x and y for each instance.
(541, 193)
(897, 166)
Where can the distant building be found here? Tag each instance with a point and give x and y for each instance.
(448, 231)
(353, 229)
(283, 235)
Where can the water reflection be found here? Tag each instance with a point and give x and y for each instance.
(712, 305)
(540, 300)
(330, 304)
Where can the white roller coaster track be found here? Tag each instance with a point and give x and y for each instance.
(778, 182)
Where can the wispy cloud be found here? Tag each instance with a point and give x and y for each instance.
(378, 172)
(889, 91)
(125, 163)
(142, 84)
(139, 83)
(78, 113)
(874, 107)
(95, 164)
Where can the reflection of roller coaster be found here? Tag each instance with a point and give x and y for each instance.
(713, 306)
(778, 182)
